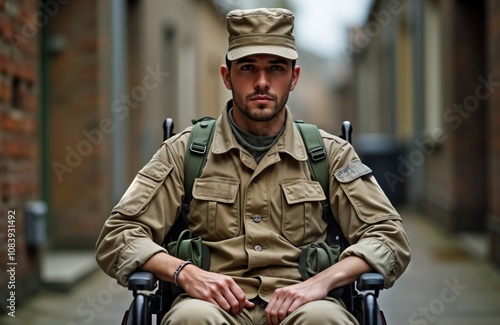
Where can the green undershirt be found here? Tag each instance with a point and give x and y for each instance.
(256, 145)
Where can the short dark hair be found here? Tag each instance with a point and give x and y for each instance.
(228, 63)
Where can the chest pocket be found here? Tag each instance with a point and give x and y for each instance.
(302, 221)
(214, 212)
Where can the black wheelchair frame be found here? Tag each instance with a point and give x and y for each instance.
(147, 302)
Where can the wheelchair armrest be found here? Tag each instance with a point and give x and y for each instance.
(142, 280)
(370, 281)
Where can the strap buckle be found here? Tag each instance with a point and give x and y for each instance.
(317, 153)
(198, 148)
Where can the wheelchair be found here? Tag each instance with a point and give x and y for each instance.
(152, 296)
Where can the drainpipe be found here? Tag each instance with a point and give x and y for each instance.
(119, 142)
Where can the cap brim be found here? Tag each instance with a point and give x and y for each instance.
(240, 52)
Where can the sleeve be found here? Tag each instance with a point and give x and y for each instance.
(367, 218)
(139, 222)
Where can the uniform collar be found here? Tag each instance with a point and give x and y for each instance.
(290, 141)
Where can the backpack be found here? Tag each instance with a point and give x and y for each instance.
(313, 259)
(200, 140)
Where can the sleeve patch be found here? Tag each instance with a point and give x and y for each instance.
(351, 171)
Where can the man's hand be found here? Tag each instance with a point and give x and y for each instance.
(221, 290)
(215, 288)
(288, 299)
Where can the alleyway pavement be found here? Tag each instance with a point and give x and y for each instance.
(445, 284)
(96, 300)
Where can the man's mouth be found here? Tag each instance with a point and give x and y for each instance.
(261, 99)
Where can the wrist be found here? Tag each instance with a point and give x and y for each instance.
(179, 270)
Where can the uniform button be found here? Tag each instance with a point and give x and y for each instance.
(256, 179)
(257, 218)
(257, 248)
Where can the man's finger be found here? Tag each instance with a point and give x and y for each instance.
(272, 309)
(222, 302)
(240, 297)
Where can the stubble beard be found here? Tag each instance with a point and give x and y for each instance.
(264, 113)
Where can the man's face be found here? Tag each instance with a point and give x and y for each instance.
(260, 85)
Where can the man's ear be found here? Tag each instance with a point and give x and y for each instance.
(224, 72)
(295, 77)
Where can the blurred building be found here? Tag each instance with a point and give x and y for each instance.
(427, 77)
(84, 88)
(112, 82)
(315, 99)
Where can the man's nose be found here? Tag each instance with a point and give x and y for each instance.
(262, 81)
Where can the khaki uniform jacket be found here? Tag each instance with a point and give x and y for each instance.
(255, 218)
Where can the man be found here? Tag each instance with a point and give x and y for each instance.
(255, 205)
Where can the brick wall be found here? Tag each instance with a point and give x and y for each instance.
(19, 143)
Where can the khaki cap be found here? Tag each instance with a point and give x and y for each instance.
(261, 31)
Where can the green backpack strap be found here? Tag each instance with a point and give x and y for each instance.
(199, 143)
(317, 159)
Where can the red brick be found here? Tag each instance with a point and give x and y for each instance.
(4, 63)
(30, 102)
(5, 26)
(3, 91)
(90, 44)
(7, 123)
(15, 149)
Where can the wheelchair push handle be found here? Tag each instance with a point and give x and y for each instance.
(347, 131)
(168, 128)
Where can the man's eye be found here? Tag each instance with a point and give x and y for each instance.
(247, 67)
(277, 68)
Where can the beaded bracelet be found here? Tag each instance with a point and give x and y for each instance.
(179, 269)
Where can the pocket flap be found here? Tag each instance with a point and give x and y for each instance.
(303, 191)
(223, 190)
(156, 170)
(351, 171)
(142, 189)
